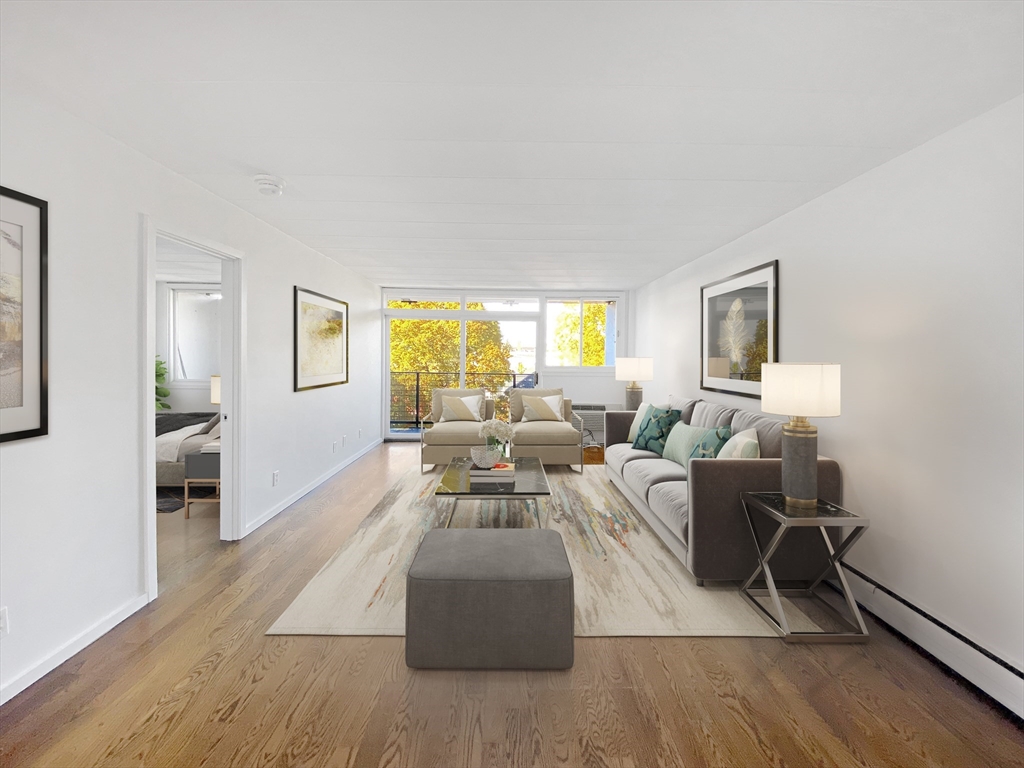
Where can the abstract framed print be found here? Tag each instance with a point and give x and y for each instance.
(739, 329)
(23, 316)
(321, 340)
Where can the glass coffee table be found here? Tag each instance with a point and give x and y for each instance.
(530, 483)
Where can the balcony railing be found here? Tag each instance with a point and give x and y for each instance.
(412, 392)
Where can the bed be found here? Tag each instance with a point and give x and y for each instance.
(178, 434)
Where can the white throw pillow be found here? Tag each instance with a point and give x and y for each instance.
(742, 445)
(461, 408)
(542, 408)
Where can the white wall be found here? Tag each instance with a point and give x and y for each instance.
(910, 277)
(71, 530)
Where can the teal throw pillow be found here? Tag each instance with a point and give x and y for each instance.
(655, 428)
(686, 442)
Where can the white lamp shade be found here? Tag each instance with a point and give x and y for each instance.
(215, 390)
(800, 389)
(634, 368)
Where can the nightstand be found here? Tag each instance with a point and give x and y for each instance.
(202, 469)
(825, 516)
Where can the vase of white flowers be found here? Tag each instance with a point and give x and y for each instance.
(498, 434)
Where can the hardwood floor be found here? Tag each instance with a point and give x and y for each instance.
(193, 681)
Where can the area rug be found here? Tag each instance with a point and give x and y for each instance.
(627, 583)
(172, 498)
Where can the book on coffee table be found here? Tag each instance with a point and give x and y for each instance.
(501, 470)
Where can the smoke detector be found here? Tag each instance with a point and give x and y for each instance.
(271, 186)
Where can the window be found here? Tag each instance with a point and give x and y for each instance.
(504, 305)
(580, 333)
(196, 328)
(451, 304)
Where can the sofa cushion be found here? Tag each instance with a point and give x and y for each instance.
(515, 400)
(654, 429)
(686, 442)
(769, 432)
(618, 455)
(454, 433)
(437, 409)
(684, 406)
(742, 445)
(545, 433)
(670, 502)
(641, 476)
(711, 415)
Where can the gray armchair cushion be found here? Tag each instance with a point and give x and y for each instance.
(707, 414)
(769, 432)
(618, 455)
(684, 405)
(515, 400)
(671, 502)
(545, 433)
(642, 475)
(454, 433)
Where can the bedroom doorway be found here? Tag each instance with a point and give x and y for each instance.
(193, 311)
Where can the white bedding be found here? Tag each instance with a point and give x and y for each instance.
(167, 445)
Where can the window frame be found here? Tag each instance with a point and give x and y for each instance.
(173, 289)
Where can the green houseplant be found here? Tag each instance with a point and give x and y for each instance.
(161, 390)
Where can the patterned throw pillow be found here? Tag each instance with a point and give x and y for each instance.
(686, 442)
(461, 408)
(654, 429)
(542, 408)
(742, 445)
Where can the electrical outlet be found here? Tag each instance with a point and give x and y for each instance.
(334, 447)
(360, 434)
(5, 622)
(343, 439)
(275, 477)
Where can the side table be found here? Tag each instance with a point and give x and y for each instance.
(201, 469)
(825, 516)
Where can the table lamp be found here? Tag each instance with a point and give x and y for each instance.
(634, 369)
(215, 390)
(811, 390)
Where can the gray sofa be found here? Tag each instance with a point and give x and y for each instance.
(696, 509)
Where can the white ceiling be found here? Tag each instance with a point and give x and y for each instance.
(551, 145)
(179, 263)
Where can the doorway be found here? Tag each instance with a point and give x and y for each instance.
(193, 311)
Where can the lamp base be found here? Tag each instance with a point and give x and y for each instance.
(800, 463)
(634, 396)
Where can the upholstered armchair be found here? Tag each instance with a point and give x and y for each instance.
(445, 440)
(551, 441)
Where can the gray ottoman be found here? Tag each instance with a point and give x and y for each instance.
(489, 599)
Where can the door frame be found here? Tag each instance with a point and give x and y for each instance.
(233, 348)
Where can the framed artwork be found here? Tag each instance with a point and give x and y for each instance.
(23, 365)
(739, 330)
(321, 340)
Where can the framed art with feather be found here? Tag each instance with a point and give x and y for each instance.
(739, 330)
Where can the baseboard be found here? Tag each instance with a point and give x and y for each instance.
(43, 667)
(283, 505)
(995, 677)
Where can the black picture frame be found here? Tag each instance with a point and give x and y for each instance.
(39, 415)
(747, 280)
(302, 382)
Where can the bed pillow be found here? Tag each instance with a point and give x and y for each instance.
(686, 442)
(542, 408)
(461, 408)
(210, 425)
(654, 429)
(742, 445)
